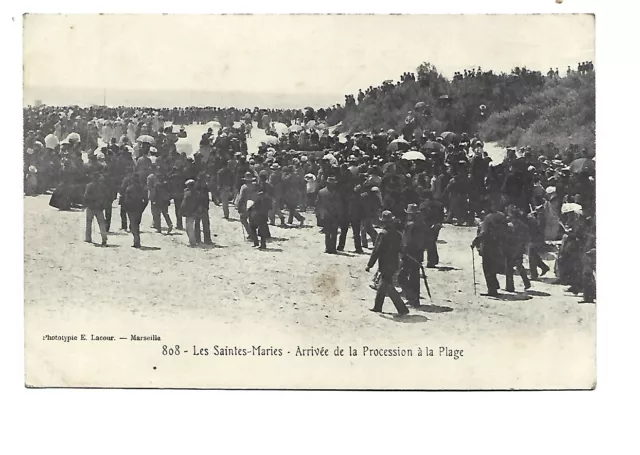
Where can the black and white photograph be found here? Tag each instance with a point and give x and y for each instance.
(360, 202)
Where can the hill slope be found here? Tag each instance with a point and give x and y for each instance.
(522, 107)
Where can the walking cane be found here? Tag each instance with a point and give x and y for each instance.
(473, 262)
(424, 276)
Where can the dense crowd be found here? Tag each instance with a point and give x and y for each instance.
(388, 183)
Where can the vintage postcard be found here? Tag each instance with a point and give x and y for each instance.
(393, 202)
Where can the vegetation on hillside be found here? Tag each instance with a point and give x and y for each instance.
(522, 107)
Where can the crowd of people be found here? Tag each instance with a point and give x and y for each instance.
(393, 191)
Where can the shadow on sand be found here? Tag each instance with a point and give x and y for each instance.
(444, 268)
(537, 293)
(98, 245)
(434, 308)
(520, 296)
(210, 246)
(405, 319)
(271, 250)
(149, 248)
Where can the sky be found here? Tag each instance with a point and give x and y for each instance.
(296, 55)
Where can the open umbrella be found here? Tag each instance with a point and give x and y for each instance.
(184, 146)
(420, 106)
(73, 137)
(295, 128)
(213, 125)
(146, 138)
(571, 207)
(413, 155)
(432, 146)
(391, 131)
(448, 137)
(389, 168)
(583, 166)
(270, 140)
(311, 123)
(51, 141)
(398, 144)
(280, 128)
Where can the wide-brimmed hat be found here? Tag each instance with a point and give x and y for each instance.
(331, 179)
(412, 208)
(275, 166)
(190, 182)
(387, 216)
(249, 177)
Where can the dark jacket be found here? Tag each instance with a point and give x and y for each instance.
(202, 198)
(329, 205)
(386, 252)
(176, 177)
(225, 178)
(492, 235)
(94, 196)
(413, 237)
(159, 194)
(432, 213)
(189, 203)
(517, 240)
(370, 204)
(135, 197)
(259, 211)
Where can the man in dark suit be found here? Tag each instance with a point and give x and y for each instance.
(94, 198)
(135, 201)
(386, 252)
(329, 210)
(432, 216)
(413, 239)
(490, 242)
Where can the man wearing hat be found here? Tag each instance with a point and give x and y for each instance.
(225, 186)
(291, 184)
(94, 197)
(536, 223)
(203, 224)
(432, 216)
(189, 210)
(135, 200)
(277, 185)
(329, 210)
(413, 240)
(386, 252)
(248, 192)
(258, 213)
(490, 242)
